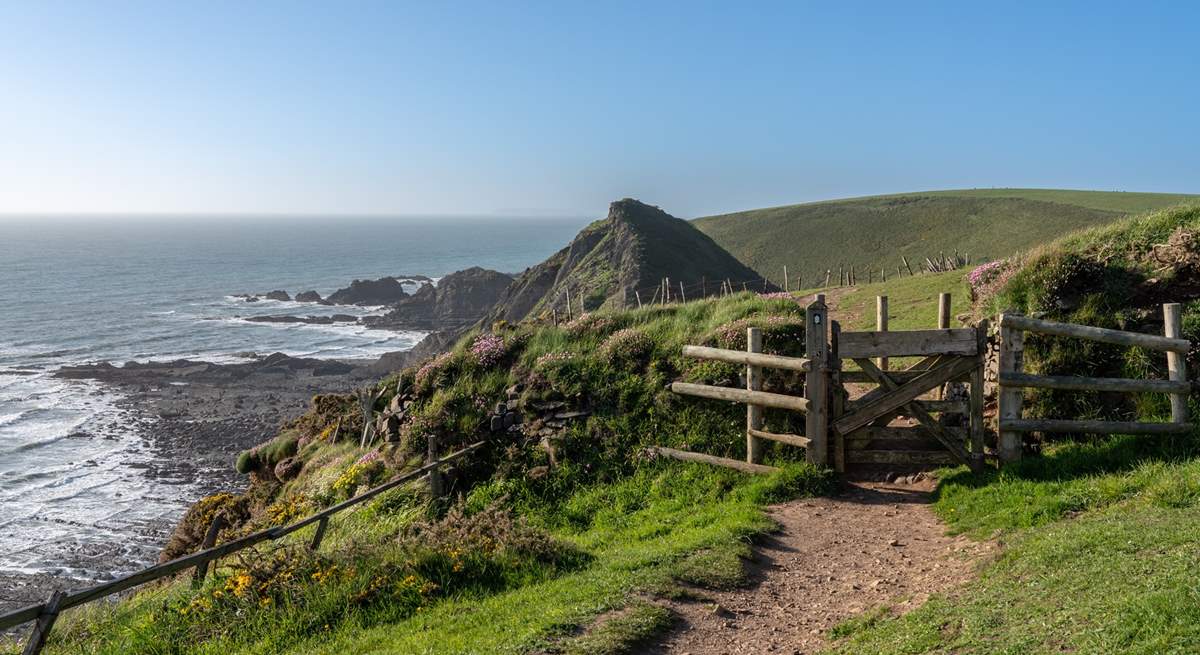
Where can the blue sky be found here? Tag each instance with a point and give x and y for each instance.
(560, 107)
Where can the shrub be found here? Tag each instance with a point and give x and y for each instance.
(189, 533)
(488, 350)
(589, 323)
(626, 347)
(430, 375)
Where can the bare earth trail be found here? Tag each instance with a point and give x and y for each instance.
(833, 558)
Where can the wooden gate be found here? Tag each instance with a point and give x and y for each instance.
(869, 429)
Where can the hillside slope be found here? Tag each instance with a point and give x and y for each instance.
(876, 231)
(613, 261)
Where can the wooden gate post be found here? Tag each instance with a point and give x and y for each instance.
(881, 325)
(754, 419)
(1176, 362)
(976, 405)
(815, 387)
(838, 393)
(1012, 360)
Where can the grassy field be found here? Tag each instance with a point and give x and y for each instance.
(876, 231)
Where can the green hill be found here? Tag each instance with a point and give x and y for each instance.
(877, 231)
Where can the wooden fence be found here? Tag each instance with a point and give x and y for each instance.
(1013, 379)
(813, 404)
(45, 614)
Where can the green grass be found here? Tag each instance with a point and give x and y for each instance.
(1099, 557)
(876, 231)
(1099, 533)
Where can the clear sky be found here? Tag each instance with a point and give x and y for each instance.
(560, 107)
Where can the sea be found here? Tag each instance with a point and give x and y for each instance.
(77, 290)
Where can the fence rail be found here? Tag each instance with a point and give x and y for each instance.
(1012, 379)
(46, 613)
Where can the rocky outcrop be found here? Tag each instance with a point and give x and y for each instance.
(459, 300)
(384, 291)
(278, 294)
(309, 296)
(613, 261)
(312, 320)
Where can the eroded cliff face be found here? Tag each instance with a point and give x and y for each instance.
(614, 260)
(459, 300)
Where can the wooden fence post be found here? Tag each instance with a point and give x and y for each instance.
(943, 311)
(976, 403)
(319, 534)
(1012, 346)
(754, 420)
(210, 540)
(785, 279)
(815, 388)
(838, 401)
(881, 325)
(435, 475)
(45, 622)
(1176, 362)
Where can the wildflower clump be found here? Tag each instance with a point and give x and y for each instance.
(626, 347)
(428, 375)
(362, 472)
(589, 323)
(488, 350)
(987, 278)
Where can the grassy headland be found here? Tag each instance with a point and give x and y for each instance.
(876, 231)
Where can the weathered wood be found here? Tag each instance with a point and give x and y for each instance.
(913, 434)
(975, 413)
(945, 368)
(899, 396)
(906, 266)
(908, 343)
(1104, 335)
(436, 482)
(881, 325)
(1092, 427)
(1176, 362)
(816, 387)
(747, 358)
(1076, 383)
(901, 457)
(838, 395)
(688, 456)
(789, 439)
(764, 398)
(898, 376)
(45, 622)
(210, 539)
(943, 311)
(935, 406)
(1010, 399)
(322, 525)
(754, 413)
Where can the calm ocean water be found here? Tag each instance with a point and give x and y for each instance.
(75, 291)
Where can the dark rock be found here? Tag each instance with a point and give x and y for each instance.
(459, 300)
(312, 320)
(288, 468)
(510, 419)
(308, 296)
(278, 294)
(497, 423)
(384, 291)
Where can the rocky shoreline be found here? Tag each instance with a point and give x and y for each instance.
(195, 417)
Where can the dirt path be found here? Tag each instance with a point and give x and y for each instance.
(833, 558)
